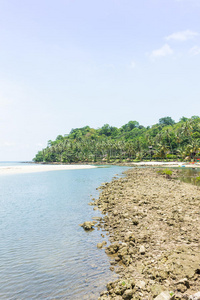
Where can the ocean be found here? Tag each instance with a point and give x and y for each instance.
(44, 253)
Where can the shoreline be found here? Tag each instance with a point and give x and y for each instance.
(168, 164)
(154, 231)
(173, 164)
(8, 170)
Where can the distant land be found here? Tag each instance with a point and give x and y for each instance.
(166, 140)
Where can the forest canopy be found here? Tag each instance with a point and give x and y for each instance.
(164, 140)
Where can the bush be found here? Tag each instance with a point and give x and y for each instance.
(166, 172)
(171, 156)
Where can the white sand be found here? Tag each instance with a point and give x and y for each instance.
(41, 168)
(167, 164)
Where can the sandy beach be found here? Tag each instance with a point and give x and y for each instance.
(173, 164)
(40, 168)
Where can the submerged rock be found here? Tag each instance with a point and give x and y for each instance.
(100, 245)
(88, 225)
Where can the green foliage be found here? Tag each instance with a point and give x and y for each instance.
(197, 179)
(166, 121)
(171, 156)
(166, 172)
(131, 142)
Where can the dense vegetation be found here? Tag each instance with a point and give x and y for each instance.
(165, 140)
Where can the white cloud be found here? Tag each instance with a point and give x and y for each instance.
(161, 52)
(195, 50)
(182, 36)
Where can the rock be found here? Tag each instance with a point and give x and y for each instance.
(156, 289)
(123, 251)
(142, 250)
(180, 296)
(128, 294)
(196, 296)
(126, 259)
(135, 222)
(165, 296)
(129, 237)
(110, 285)
(88, 225)
(118, 298)
(140, 284)
(113, 248)
(99, 245)
(181, 287)
(185, 282)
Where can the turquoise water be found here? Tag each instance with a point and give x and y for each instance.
(44, 253)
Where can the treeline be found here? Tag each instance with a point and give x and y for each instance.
(164, 140)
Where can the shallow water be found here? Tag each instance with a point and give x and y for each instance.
(43, 251)
(189, 175)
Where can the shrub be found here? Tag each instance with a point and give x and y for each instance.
(166, 172)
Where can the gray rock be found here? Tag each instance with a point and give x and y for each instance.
(140, 284)
(129, 237)
(128, 294)
(184, 281)
(88, 225)
(123, 251)
(165, 296)
(196, 296)
(99, 245)
(142, 250)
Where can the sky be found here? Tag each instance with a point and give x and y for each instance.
(70, 63)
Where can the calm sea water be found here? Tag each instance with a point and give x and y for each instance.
(44, 253)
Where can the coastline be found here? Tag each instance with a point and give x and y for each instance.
(154, 231)
(167, 164)
(8, 170)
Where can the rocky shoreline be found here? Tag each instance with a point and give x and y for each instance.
(153, 222)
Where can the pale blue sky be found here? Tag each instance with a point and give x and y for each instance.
(66, 64)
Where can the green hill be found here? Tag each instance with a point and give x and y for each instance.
(164, 140)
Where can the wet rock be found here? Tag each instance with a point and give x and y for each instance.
(113, 248)
(88, 225)
(100, 245)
